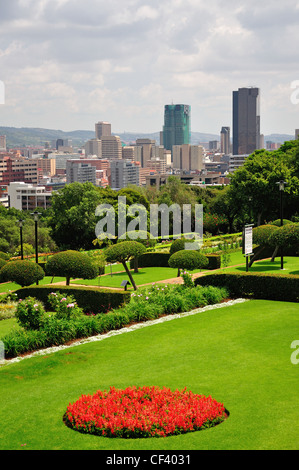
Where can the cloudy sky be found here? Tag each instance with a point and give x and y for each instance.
(67, 64)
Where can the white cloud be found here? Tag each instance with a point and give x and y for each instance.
(122, 61)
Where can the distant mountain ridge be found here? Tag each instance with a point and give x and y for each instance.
(34, 137)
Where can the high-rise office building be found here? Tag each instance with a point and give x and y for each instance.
(102, 129)
(225, 146)
(111, 147)
(2, 143)
(188, 157)
(176, 129)
(246, 120)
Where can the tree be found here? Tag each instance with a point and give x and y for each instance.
(141, 237)
(188, 259)
(72, 218)
(22, 272)
(257, 179)
(71, 264)
(286, 236)
(123, 252)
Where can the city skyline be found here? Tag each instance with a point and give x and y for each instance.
(66, 65)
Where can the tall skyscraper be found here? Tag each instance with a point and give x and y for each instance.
(246, 121)
(225, 140)
(102, 129)
(176, 129)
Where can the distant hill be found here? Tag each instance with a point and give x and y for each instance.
(27, 136)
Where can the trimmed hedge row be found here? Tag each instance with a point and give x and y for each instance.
(255, 285)
(88, 298)
(160, 260)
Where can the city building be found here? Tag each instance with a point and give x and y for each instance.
(235, 162)
(18, 169)
(25, 197)
(102, 129)
(176, 129)
(145, 151)
(111, 147)
(246, 121)
(93, 147)
(225, 145)
(124, 173)
(80, 171)
(91, 170)
(188, 157)
(129, 152)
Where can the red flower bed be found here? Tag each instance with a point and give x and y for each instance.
(143, 412)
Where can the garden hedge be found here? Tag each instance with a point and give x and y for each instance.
(160, 260)
(255, 285)
(88, 298)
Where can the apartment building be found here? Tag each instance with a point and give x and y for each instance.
(18, 169)
(25, 197)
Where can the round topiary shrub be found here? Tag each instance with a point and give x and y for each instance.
(278, 222)
(179, 245)
(71, 264)
(188, 259)
(286, 236)
(23, 273)
(261, 235)
(122, 253)
(143, 412)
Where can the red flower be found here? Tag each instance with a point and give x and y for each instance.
(143, 412)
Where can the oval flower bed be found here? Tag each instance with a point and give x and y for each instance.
(143, 412)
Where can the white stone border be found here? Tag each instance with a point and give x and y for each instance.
(112, 333)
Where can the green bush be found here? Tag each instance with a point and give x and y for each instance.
(261, 234)
(91, 300)
(278, 222)
(71, 264)
(23, 273)
(151, 303)
(255, 285)
(124, 252)
(4, 256)
(286, 236)
(2, 263)
(65, 307)
(30, 314)
(188, 259)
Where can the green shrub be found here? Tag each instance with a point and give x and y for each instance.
(255, 285)
(3, 262)
(188, 260)
(124, 252)
(91, 300)
(4, 256)
(65, 306)
(278, 222)
(261, 234)
(71, 264)
(286, 236)
(23, 273)
(30, 314)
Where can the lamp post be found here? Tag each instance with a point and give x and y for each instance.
(281, 184)
(35, 215)
(21, 237)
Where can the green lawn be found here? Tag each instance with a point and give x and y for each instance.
(240, 355)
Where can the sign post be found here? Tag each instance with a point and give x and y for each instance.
(247, 244)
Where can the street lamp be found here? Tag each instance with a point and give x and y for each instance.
(281, 184)
(35, 215)
(21, 237)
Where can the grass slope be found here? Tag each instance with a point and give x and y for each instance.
(240, 355)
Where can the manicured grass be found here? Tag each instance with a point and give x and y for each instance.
(290, 266)
(240, 355)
